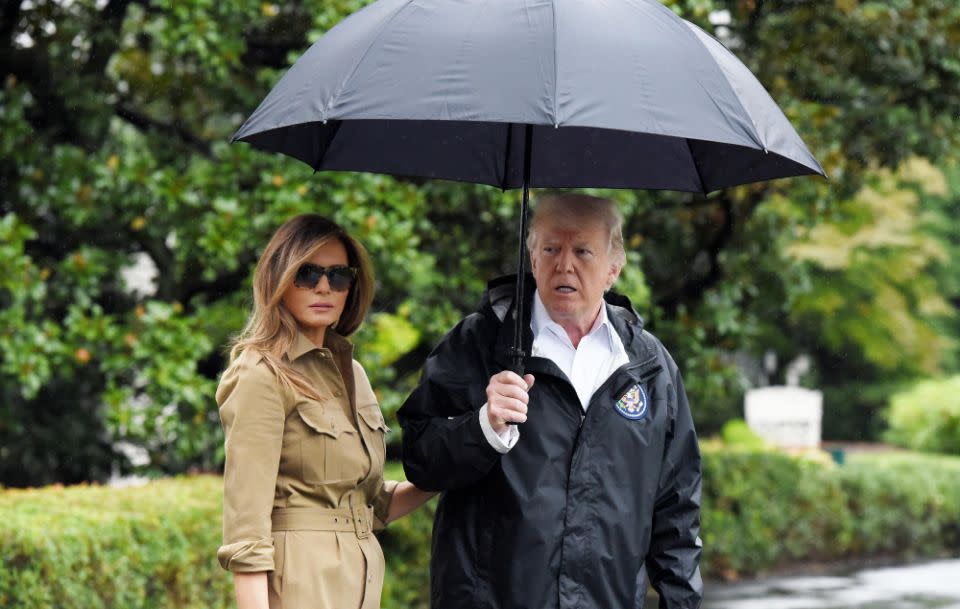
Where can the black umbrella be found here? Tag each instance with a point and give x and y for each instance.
(529, 93)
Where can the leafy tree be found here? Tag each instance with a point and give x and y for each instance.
(866, 296)
(114, 117)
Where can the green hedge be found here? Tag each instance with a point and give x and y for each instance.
(154, 547)
(927, 416)
(762, 509)
(95, 547)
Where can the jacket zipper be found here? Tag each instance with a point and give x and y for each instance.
(653, 369)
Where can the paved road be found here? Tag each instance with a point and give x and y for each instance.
(934, 585)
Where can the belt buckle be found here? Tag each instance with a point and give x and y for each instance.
(361, 521)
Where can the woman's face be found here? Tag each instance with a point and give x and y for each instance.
(318, 308)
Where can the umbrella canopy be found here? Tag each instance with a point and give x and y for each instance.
(613, 93)
(521, 93)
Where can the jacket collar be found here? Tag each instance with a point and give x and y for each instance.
(498, 300)
(341, 352)
(302, 345)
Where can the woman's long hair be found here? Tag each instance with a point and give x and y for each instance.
(272, 329)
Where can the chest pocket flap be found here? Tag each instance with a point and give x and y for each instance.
(327, 421)
(372, 417)
(331, 450)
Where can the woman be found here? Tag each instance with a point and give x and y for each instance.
(303, 477)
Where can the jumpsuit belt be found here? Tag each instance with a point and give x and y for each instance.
(358, 519)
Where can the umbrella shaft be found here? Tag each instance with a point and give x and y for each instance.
(518, 355)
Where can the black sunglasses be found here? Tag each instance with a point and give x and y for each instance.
(340, 277)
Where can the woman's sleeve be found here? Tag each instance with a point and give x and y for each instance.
(381, 504)
(366, 397)
(252, 415)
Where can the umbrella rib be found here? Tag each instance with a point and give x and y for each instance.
(356, 66)
(556, 61)
(322, 149)
(505, 182)
(696, 166)
(755, 133)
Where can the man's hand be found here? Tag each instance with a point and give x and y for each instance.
(507, 399)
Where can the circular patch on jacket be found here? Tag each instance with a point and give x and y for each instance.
(633, 403)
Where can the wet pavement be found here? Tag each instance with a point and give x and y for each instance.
(933, 585)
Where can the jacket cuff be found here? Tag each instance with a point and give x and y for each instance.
(247, 556)
(381, 504)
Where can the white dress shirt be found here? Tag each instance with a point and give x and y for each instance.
(587, 365)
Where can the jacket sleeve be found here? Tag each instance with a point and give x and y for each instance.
(673, 561)
(252, 415)
(444, 446)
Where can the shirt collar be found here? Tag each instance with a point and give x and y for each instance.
(540, 320)
(302, 345)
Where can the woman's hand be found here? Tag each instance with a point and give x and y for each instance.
(406, 498)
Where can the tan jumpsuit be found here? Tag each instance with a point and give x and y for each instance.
(303, 479)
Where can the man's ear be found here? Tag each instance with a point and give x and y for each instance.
(614, 274)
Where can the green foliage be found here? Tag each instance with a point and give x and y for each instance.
(871, 285)
(155, 546)
(763, 508)
(92, 547)
(903, 503)
(114, 119)
(940, 213)
(866, 288)
(926, 417)
(737, 433)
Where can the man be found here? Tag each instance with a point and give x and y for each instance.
(602, 479)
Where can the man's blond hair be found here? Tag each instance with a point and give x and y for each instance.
(577, 207)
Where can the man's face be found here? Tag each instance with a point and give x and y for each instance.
(572, 265)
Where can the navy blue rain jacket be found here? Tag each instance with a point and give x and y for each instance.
(577, 513)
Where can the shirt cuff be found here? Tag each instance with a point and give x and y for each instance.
(381, 504)
(502, 443)
(247, 556)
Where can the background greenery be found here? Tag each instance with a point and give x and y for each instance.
(154, 546)
(114, 118)
(927, 416)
